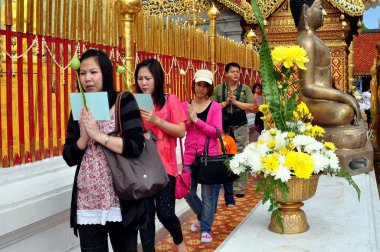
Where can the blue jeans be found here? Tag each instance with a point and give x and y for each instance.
(228, 194)
(204, 209)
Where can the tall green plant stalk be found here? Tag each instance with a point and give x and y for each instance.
(183, 73)
(268, 74)
(75, 64)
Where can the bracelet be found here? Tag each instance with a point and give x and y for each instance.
(105, 142)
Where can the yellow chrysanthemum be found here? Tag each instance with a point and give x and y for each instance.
(270, 163)
(302, 110)
(291, 145)
(272, 143)
(278, 55)
(264, 108)
(273, 132)
(260, 142)
(296, 116)
(301, 163)
(315, 131)
(263, 118)
(283, 151)
(300, 57)
(330, 146)
(291, 134)
(288, 56)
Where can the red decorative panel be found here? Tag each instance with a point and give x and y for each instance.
(338, 68)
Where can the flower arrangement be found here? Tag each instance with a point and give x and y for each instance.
(291, 146)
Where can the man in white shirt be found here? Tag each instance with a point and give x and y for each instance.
(367, 105)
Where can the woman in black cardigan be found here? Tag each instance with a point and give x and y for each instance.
(96, 211)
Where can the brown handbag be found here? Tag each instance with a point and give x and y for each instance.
(136, 178)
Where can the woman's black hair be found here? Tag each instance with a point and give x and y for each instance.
(296, 9)
(107, 72)
(255, 86)
(155, 69)
(226, 125)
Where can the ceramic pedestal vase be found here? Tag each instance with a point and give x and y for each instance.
(294, 218)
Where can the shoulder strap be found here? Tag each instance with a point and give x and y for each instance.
(224, 92)
(205, 150)
(240, 87)
(118, 125)
(119, 128)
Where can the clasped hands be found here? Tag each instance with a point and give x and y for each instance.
(231, 98)
(88, 127)
(193, 118)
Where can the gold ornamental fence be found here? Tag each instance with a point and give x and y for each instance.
(39, 38)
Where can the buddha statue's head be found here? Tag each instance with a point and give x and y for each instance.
(307, 14)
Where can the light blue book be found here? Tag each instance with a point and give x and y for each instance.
(144, 101)
(97, 102)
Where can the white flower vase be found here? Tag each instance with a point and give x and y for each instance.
(294, 218)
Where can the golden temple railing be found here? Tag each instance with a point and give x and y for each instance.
(38, 38)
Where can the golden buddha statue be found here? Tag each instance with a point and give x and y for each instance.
(338, 112)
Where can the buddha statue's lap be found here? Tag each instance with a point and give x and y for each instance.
(329, 113)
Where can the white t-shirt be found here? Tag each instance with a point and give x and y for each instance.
(366, 100)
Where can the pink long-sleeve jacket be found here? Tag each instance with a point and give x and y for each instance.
(196, 133)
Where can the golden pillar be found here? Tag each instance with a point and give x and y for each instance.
(375, 100)
(129, 8)
(251, 35)
(213, 14)
(350, 69)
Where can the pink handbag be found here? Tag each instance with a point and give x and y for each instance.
(182, 181)
(182, 184)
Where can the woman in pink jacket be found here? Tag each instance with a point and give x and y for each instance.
(204, 117)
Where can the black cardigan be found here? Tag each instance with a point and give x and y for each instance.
(133, 212)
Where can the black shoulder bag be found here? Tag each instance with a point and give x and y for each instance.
(212, 169)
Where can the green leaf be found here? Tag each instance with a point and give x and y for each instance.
(346, 175)
(268, 73)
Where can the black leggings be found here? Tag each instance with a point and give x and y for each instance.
(94, 238)
(165, 207)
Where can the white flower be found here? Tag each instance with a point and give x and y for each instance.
(251, 157)
(239, 162)
(282, 173)
(333, 160)
(302, 140)
(263, 149)
(301, 126)
(265, 136)
(320, 162)
(251, 147)
(314, 146)
(281, 139)
(254, 162)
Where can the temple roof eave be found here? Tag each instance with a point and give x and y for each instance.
(268, 7)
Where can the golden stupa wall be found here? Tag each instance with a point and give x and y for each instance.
(281, 31)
